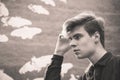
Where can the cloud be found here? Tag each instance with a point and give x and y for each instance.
(64, 1)
(65, 68)
(72, 77)
(3, 38)
(26, 32)
(36, 64)
(38, 9)
(49, 2)
(4, 76)
(39, 78)
(3, 10)
(15, 21)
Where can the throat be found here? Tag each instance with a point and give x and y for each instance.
(97, 56)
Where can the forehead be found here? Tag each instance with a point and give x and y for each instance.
(77, 30)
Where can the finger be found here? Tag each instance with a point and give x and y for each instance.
(61, 37)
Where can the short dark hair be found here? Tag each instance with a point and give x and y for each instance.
(91, 24)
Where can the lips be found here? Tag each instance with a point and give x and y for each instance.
(76, 51)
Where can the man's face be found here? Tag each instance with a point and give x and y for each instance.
(82, 43)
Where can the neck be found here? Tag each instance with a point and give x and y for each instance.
(99, 53)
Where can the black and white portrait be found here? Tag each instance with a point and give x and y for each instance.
(59, 40)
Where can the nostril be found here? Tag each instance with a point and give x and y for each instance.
(73, 45)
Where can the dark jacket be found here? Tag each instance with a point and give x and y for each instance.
(107, 68)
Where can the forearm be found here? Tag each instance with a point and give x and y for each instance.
(54, 69)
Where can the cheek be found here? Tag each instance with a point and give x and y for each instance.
(86, 43)
(83, 42)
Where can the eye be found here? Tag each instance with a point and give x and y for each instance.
(77, 36)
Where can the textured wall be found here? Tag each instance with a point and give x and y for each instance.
(16, 52)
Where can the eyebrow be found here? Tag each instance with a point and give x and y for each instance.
(78, 34)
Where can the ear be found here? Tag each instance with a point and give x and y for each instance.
(96, 37)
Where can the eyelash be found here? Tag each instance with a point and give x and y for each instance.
(77, 37)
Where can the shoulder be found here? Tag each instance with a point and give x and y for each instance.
(116, 59)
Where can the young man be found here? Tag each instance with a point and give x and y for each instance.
(84, 34)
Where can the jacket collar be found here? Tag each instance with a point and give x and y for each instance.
(104, 60)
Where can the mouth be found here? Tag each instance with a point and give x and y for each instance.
(76, 51)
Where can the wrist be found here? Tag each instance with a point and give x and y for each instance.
(59, 53)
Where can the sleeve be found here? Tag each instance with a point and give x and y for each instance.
(83, 77)
(54, 69)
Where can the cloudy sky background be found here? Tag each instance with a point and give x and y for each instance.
(29, 29)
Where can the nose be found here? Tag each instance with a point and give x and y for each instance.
(73, 43)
